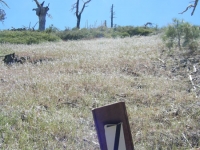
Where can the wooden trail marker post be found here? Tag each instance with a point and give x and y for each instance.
(113, 127)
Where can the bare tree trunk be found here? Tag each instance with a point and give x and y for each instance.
(112, 15)
(41, 12)
(78, 22)
(179, 31)
(78, 14)
(105, 23)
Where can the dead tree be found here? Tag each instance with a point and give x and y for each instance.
(194, 5)
(147, 24)
(112, 15)
(105, 24)
(41, 12)
(2, 15)
(79, 13)
(2, 12)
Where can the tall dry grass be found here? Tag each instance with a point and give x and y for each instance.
(48, 105)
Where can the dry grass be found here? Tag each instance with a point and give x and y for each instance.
(48, 105)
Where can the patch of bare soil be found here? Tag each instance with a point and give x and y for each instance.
(179, 66)
(187, 66)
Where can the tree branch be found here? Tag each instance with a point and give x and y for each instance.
(84, 5)
(190, 6)
(73, 6)
(37, 3)
(76, 6)
(4, 3)
(186, 9)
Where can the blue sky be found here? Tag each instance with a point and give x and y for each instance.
(127, 12)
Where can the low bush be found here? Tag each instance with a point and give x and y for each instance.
(53, 34)
(26, 37)
(132, 31)
(181, 34)
(101, 31)
(74, 34)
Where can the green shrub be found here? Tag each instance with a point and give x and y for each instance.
(124, 34)
(193, 46)
(51, 29)
(76, 34)
(53, 34)
(26, 37)
(191, 34)
(98, 34)
(181, 34)
(132, 31)
(115, 34)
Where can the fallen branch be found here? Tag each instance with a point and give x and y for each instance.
(194, 69)
(89, 141)
(191, 80)
(161, 60)
(186, 140)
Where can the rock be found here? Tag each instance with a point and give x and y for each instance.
(12, 58)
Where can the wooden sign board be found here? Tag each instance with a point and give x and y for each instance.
(113, 127)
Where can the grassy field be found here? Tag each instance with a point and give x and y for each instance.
(48, 105)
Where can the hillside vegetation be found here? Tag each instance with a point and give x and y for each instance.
(26, 37)
(48, 105)
(51, 34)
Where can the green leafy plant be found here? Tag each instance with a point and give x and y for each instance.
(126, 31)
(135, 30)
(54, 34)
(26, 37)
(51, 29)
(180, 34)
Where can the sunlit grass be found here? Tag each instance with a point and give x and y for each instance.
(48, 105)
